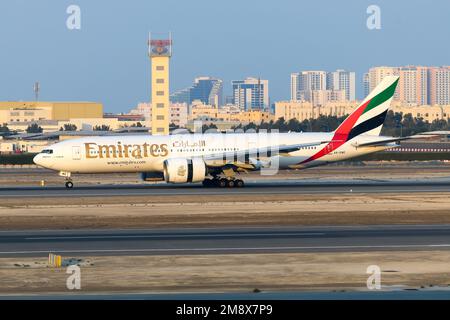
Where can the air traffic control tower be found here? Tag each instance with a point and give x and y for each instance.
(160, 51)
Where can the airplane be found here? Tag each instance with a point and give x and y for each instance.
(216, 159)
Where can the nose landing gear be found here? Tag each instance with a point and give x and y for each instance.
(69, 184)
(67, 175)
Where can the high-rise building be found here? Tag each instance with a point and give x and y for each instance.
(366, 84)
(309, 81)
(251, 94)
(439, 85)
(413, 85)
(342, 80)
(377, 74)
(319, 86)
(304, 82)
(181, 96)
(206, 89)
(160, 51)
(294, 86)
(418, 85)
(229, 99)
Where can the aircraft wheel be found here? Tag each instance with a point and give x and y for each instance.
(239, 183)
(69, 184)
(222, 183)
(231, 184)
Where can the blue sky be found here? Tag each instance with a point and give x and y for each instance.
(107, 59)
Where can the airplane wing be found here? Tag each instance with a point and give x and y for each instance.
(283, 150)
(383, 141)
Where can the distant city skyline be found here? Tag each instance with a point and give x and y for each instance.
(106, 60)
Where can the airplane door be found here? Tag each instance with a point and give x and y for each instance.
(76, 153)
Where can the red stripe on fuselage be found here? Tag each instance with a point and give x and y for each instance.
(340, 135)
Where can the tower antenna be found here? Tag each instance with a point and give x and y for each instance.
(36, 89)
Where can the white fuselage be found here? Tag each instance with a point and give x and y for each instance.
(146, 153)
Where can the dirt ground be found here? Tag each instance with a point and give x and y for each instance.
(260, 210)
(231, 273)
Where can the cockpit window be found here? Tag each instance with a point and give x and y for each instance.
(49, 151)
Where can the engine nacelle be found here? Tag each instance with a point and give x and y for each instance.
(181, 170)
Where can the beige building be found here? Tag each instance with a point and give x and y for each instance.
(178, 112)
(52, 110)
(439, 82)
(376, 74)
(304, 110)
(428, 113)
(203, 111)
(413, 85)
(228, 113)
(16, 115)
(255, 116)
(418, 85)
(323, 97)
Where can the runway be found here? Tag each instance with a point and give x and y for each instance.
(425, 294)
(252, 187)
(224, 241)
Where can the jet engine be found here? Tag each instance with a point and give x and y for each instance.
(181, 170)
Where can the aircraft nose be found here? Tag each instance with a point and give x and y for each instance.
(38, 160)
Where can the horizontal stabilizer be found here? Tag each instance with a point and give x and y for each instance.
(421, 136)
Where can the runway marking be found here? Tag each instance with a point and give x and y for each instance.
(228, 249)
(176, 236)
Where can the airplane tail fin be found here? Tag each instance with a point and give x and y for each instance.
(368, 118)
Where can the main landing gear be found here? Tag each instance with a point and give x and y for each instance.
(223, 183)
